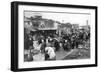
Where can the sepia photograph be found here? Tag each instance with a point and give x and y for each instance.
(50, 36)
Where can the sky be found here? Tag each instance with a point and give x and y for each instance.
(73, 18)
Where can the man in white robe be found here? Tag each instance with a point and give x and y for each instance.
(51, 53)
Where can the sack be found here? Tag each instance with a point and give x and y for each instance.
(46, 57)
(29, 58)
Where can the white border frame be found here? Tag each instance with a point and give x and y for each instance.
(22, 64)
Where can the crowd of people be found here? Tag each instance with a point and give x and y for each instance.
(49, 44)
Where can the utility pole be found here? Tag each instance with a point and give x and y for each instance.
(87, 22)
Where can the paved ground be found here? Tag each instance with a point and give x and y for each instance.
(39, 57)
(63, 55)
(59, 55)
(78, 54)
